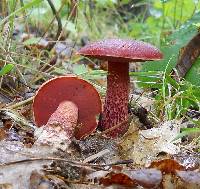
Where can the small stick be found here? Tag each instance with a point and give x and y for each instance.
(95, 156)
(59, 30)
(16, 105)
(116, 126)
(65, 160)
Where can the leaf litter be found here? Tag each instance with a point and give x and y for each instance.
(133, 161)
(143, 158)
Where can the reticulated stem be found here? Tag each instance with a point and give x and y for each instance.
(116, 102)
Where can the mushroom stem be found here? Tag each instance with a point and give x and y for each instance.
(65, 117)
(116, 102)
(60, 126)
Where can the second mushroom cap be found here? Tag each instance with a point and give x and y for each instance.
(121, 50)
(119, 53)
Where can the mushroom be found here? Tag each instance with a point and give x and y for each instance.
(63, 101)
(119, 53)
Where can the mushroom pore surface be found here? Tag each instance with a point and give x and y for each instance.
(54, 92)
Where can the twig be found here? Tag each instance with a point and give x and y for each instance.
(95, 156)
(16, 117)
(73, 9)
(49, 25)
(16, 105)
(128, 120)
(19, 72)
(75, 163)
(52, 44)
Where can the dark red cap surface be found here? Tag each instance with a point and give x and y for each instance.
(73, 89)
(121, 50)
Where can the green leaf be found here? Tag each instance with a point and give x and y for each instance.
(147, 74)
(172, 81)
(193, 74)
(171, 49)
(79, 69)
(186, 131)
(94, 74)
(32, 41)
(6, 69)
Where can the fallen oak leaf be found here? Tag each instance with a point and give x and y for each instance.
(147, 178)
(167, 166)
(117, 179)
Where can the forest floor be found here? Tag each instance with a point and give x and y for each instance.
(151, 154)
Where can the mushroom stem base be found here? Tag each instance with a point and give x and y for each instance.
(116, 102)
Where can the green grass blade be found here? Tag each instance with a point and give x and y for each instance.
(26, 6)
(6, 69)
(185, 132)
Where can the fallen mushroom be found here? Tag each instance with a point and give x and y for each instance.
(119, 53)
(64, 101)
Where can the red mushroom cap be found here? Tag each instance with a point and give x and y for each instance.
(68, 88)
(121, 50)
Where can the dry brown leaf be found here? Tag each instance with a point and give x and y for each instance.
(143, 146)
(117, 179)
(167, 166)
